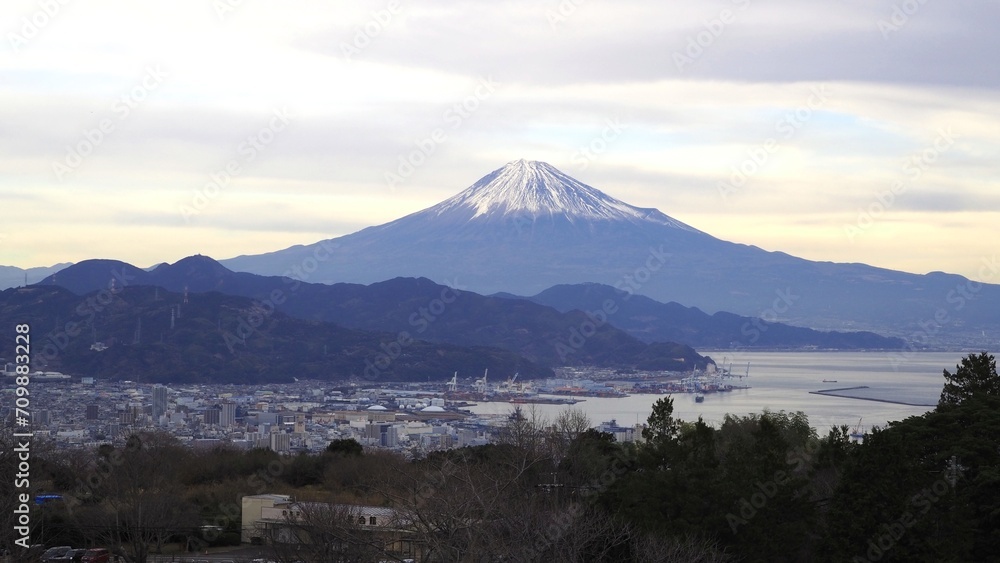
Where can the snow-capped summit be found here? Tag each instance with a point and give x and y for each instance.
(527, 226)
(529, 188)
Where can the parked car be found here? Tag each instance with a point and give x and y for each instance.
(53, 553)
(68, 556)
(96, 555)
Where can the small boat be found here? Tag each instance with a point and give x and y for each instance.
(699, 398)
(829, 381)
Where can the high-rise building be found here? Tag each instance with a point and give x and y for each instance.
(136, 412)
(281, 442)
(159, 401)
(93, 413)
(212, 415)
(41, 417)
(227, 416)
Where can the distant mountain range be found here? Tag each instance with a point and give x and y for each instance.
(418, 307)
(587, 324)
(652, 321)
(11, 276)
(527, 226)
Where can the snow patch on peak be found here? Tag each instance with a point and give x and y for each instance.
(533, 188)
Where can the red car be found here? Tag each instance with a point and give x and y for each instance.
(96, 555)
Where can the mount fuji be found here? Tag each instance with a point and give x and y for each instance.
(527, 226)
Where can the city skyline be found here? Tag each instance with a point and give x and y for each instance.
(849, 131)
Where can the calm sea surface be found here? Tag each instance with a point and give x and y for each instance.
(783, 381)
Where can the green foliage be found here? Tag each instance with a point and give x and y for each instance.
(975, 376)
(345, 447)
(304, 470)
(926, 487)
(661, 427)
(589, 455)
(746, 483)
(222, 464)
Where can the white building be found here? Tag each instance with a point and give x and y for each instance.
(271, 518)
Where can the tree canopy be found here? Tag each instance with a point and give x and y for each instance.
(975, 376)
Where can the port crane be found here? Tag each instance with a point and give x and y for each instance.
(746, 375)
(728, 372)
(857, 433)
(508, 385)
(480, 384)
(453, 384)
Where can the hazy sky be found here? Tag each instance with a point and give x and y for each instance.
(854, 131)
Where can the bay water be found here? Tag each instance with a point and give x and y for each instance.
(785, 381)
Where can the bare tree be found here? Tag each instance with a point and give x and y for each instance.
(655, 549)
(319, 531)
(138, 502)
(568, 425)
(525, 431)
(570, 532)
(465, 504)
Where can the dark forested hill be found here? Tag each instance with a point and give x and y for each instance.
(424, 309)
(148, 334)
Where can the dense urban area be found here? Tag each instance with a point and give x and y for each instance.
(199, 473)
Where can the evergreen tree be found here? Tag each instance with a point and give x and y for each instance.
(975, 376)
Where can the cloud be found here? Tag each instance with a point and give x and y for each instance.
(740, 40)
(562, 69)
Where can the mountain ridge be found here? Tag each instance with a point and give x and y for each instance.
(650, 320)
(538, 327)
(12, 276)
(523, 253)
(403, 305)
(152, 335)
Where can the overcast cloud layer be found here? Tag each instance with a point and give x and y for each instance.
(856, 131)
